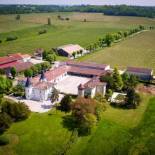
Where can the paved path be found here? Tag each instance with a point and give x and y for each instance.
(36, 106)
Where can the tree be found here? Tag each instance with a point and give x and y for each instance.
(18, 90)
(85, 20)
(17, 111)
(45, 53)
(109, 93)
(133, 99)
(118, 83)
(49, 21)
(45, 66)
(51, 58)
(5, 85)
(35, 70)
(74, 54)
(82, 106)
(13, 72)
(18, 17)
(5, 121)
(81, 51)
(99, 98)
(87, 124)
(108, 39)
(28, 73)
(2, 71)
(133, 81)
(65, 104)
(109, 80)
(39, 67)
(125, 78)
(125, 34)
(55, 95)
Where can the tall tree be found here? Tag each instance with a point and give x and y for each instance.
(5, 85)
(13, 72)
(18, 17)
(55, 95)
(65, 103)
(74, 54)
(133, 99)
(118, 83)
(28, 73)
(108, 39)
(49, 21)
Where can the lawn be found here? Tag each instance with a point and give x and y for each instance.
(135, 51)
(119, 131)
(61, 32)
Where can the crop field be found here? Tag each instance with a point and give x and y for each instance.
(61, 31)
(120, 131)
(135, 51)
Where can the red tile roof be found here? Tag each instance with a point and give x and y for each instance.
(139, 70)
(93, 83)
(42, 85)
(86, 65)
(10, 58)
(21, 66)
(85, 71)
(53, 74)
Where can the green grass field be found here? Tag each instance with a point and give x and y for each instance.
(119, 132)
(135, 51)
(61, 32)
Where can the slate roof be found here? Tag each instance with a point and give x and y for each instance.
(139, 70)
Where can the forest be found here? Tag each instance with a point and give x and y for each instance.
(118, 10)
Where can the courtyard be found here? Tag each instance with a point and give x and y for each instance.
(69, 84)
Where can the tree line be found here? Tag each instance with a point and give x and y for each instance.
(114, 38)
(118, 10)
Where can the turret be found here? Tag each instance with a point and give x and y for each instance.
(81, 90)
(28, 88)
(42, 77)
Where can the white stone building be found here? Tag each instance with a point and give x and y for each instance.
(38, 90)
(91, 88)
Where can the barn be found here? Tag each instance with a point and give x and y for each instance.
(68, 50)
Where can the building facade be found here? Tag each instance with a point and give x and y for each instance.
(40, 87)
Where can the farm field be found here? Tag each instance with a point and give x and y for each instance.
(60, 32)
(131, 131)
(134, 51)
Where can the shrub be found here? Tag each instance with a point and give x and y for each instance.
(0, 41)
(42, 32)
(18, 90)
(5, 122)
(11, 38)
(65, 104)
(85, 114)
(17, 111)
(4, 140)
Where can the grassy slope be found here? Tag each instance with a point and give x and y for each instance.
(115, 132)
(62, 32)
(44, 134)
(135, 51)
(41, 134)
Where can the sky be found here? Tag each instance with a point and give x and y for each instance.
(77, 2)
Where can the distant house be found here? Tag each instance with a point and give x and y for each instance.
(38, 54)
(68, 50)
(18, 61)
(142, 73)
